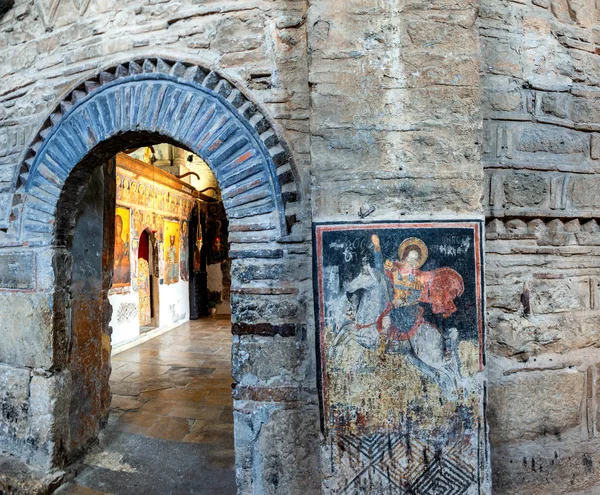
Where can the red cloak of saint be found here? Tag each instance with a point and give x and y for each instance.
(440, 288)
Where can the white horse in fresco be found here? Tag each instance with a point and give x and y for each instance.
(371, 291)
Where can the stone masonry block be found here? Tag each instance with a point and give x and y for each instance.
(505, 101)
(26, 324)
(5, 209)
(14, 407)
(514, 335)
(584, 191)
(261, 425)
(595, 147)
(246, 271)
(506, 297)
(557, 296)
(525, 189)
(256, 309)
(269, 361)
(300, 476)
(554, 466)
(49, 415)
(549, 140)
(17, 270)
(534, 404)
(586, 110)
(47, 260)
(14, 400)
(237, 34)
(556, 105)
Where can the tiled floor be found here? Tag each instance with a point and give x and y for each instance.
(171, 423)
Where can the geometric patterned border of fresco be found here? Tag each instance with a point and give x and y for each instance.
(401, 348)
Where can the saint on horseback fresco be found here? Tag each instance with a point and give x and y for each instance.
(400, 341)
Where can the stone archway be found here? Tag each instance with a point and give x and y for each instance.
(199, 109)
(275, 409)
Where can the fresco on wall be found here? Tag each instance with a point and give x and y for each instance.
(149, 203)
(161, 263)
(135, 245)
(138, 222)
(216, 233)
(135, 191)
(184, 259)
(400, 342)
(143, 277)
(156, 254)
(122, 270)
(171, 250)
(126, 312)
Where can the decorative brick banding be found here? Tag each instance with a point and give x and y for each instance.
(268, 329)
(267, 394)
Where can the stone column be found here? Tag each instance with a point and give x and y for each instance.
(395, 136)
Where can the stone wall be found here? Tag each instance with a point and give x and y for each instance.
(540, 101)
(382, 108)
(395, 135)
(388, 121)
(50, 49)
(395, 116)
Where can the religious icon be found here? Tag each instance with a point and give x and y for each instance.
(403, 314)
(171, 236)
(400, 319)
(122, 266)
(119, 191)
(184, 250)
(156, 255)
(148, 155)
(135, 244)
(138, 222)
(198, 249)
(143, 277)
(161, 263)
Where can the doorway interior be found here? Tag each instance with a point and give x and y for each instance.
(170, 422)
(146, 280)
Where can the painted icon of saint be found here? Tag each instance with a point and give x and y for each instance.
(172, 261)
(410, 287)
(184, 252)
(122, 268)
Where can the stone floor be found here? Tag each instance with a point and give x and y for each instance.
(171, 424)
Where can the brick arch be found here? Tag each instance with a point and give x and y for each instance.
(184, 103)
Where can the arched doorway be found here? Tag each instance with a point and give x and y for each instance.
(139, 103)
(145, 282)
(171, 383)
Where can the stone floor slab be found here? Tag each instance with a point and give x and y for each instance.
(170, 429)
